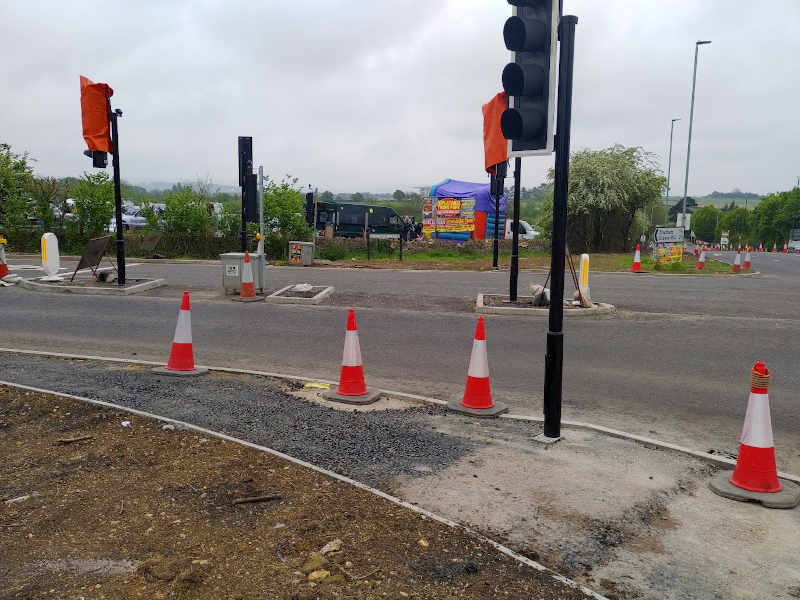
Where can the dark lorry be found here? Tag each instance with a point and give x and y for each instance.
(348, 220)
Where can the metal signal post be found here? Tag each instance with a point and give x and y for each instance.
(554, 358)
(113, 116)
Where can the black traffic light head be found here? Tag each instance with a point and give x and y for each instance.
(245, 158)
(530, 78)
(99, 158)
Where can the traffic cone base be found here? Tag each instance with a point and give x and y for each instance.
(352, 388)
(477, 399)
(181, 357)
(788, 497)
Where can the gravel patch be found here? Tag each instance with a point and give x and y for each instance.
(373, 447)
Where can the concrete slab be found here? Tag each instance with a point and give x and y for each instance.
(110, 290)
(599, 308)
(279, 298)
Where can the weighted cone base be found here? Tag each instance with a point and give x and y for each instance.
(368, 398)
(165, 371)
(254, 299)
(788, 497)
(494, 411)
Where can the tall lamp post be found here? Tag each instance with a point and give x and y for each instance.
(669, 160)
(691, 119)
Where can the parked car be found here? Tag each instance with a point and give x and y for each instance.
(131, 219)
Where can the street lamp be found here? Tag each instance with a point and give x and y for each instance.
(669, 161)
(691, 119)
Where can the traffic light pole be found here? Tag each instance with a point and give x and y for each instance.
(554, 358)
(496, 245)
(512, 285)
(113, 115)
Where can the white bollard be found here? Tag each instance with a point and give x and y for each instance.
(51, 262)
(583, 280)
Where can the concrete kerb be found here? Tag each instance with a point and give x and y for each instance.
(276, 298)
(111, 290)
(719, 461)
(599, 308)
(357, 484)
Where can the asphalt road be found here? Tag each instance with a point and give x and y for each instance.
(674, 364)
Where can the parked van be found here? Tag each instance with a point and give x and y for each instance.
(526, 230)
(348, 220)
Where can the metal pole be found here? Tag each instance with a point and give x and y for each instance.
(669, 161)
(261, 202)
(554, 358)
(366, 232)
(496, 247)
(691, 121)
(244, 221)
(118, 197)
(512, 286)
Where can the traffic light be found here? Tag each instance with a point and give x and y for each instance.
(99, 158)
(251, 198)
(530, 78)
(245, 158)
(310, 208)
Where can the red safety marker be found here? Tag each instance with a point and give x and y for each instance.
(737, 262)
(755, 478)
(637, 260)
(352, 387)
(701, 262)
(247, 289)
(774, 246)
(747, 260)
(760, 247)
(3, 265)
(477, 399)
(785, 247)
(181, 357)
(756, 470)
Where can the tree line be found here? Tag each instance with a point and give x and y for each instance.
(770, 222)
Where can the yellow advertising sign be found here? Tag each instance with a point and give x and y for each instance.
(669, 254)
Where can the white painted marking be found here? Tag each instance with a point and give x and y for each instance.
(183, 330)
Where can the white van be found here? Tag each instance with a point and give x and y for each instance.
(526, 230)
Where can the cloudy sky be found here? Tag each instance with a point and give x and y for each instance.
(358, 95)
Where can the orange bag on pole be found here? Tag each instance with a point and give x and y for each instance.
(495, 146)
(95, 107)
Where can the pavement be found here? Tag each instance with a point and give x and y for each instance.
(627, 520)
(672, 364)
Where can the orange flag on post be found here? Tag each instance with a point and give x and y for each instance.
(495, 146)
(95, 107)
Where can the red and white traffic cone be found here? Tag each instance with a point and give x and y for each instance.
(701, 262)
(760, 247)
(181, 357)
(785, 248)
(352, 387)
(637, 260)
(747, 260)
(3, 264)
(755, 477)
(774, 246)
(477, 399)
(737, 262)
(247, 290)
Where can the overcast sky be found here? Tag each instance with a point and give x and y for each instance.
(358, 95)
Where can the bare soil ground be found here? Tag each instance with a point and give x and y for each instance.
(95, 503)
